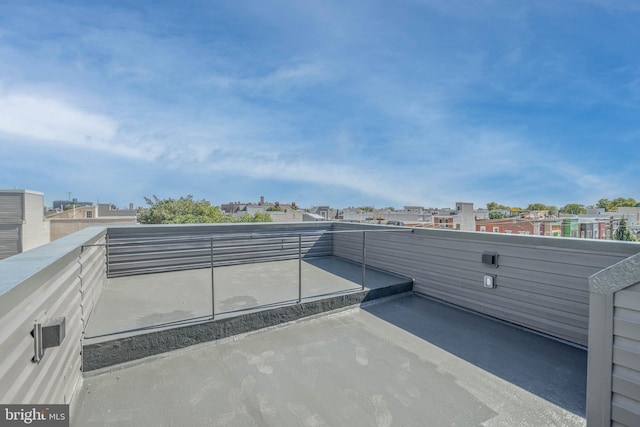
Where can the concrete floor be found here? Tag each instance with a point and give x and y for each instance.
(403, 361)
(138, 304)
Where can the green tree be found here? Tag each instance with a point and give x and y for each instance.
(493, 206)
(553, 210)
(186, 210)
(256, 217)
(574, 209)
(623, 233)
(496, 215)
(612, 205)
(515, 211)
(537, 207)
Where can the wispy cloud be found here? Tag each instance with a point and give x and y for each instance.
(48, 119)
(285, 81)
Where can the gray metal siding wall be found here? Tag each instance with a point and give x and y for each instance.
(542, 283)
(35, 228)
(9, 240)
(92, 275)
(33, 207)
(613, 381)
(149, 249)
(11, 208)
(60, 289)
(625, 385)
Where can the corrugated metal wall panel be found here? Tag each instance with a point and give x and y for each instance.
(35, 231)
(624, 411)
(9, 240)
(93, 274)
(625, 385)
(542, 283)
(33, 207)
(56, 291)
(162, 249)
(26, 377)
(11, 207)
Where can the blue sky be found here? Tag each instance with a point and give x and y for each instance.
(344, 103)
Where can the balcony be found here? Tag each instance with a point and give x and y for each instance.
(324, 324)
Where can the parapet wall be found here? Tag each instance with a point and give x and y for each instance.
(613, 385)
(156, 249)
(59, 280)
(540, 282)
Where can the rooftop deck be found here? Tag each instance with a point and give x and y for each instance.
(403, 361)
(139, 304)
(144, 315)
(145, 350)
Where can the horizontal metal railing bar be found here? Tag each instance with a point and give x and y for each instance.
(187, 253)
(201, 259)
(234, 236)
(231, 245)
(237, 243)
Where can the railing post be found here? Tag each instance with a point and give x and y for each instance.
(106, 239)
(299, 268)
(364, 257)
(213, 294)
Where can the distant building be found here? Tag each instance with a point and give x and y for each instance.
(570, 227)
(109, 210)
(286, 213)
(591, 229)
(323, 211)
(631, 214)
(312, 217)
(482, 213)
(530, 214)
(510, 226)
(461, 218)
(596, 211)
(75, 219)
(465, 217)
(277, 212)
(409, 214)
(22, 222)
(355, 215)
(60, 205)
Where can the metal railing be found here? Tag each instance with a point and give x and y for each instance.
(300, 256)
(219, 243)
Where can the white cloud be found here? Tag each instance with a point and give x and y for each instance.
(52, 121)
(289, 76)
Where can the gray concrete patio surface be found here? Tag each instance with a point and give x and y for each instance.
(406, 361)
(143, 303)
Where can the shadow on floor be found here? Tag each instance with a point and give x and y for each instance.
(352, 271)
(552, 370)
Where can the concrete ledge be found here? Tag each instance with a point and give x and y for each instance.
(617, 277)
(110, 353)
